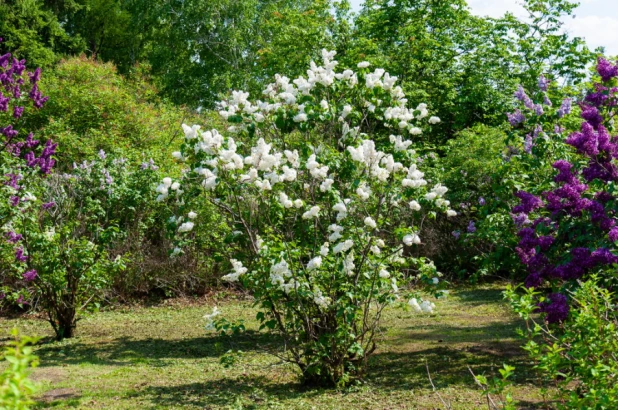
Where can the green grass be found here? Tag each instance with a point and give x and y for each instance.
(161, 357)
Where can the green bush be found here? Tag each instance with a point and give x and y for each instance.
(579, 355)
(476, 173)
(91, 107)
(16, 388)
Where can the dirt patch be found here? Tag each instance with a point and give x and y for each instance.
(49, 374)
(59, 394)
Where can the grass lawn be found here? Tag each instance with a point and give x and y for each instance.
(162, 358)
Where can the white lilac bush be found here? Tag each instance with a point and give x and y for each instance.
(321, 185)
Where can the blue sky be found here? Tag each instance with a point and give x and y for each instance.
(595, 20)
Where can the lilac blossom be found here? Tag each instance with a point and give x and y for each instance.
(553, 247)
(543, 83)
(516, 118)
(471, 227)
(30, 275)
(556, 308)
(565, 108)
(606, 70)
(528, 144)
(12, 237)
(20, 256)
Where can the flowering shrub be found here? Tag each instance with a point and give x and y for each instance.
(57, 247)
(569, 231)
(322, 187)
(23, 160)
(18, 89)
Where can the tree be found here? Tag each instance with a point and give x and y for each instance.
(34, 33)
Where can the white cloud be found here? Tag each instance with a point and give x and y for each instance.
(597, 30)
(496, 8)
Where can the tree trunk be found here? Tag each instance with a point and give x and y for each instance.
(65, 324)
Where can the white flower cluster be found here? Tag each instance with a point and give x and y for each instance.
(411, 239)
(314, 263)
(320, 300)
(209, 318)
(424, 307)
(279, 272)
(285, 93)
(367, 154)
(314, 212)
(437, 195)
(238, 270)
(165, 186)
(185, 227)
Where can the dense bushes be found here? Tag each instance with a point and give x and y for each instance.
(321, 217)
(91, 108)
(567, 235)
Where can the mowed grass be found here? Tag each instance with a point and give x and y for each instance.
(162, 358)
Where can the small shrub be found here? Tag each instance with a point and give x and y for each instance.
(578, 357)
(16, 389)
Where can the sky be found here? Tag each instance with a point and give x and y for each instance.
(595, 20)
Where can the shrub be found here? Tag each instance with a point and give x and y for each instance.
(92, 108)
(322, 207)
(23, 159)
(470, 167)
(579, 356)
(566, 241)
(15, 387)
(60, 246)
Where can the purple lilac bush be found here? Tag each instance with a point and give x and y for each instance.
(568, 232)
(18, 87)
(23, 159)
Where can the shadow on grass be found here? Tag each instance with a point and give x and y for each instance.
(388, 372)
(125, 351)
(447, 366)
(493, 332)
(480, 296)
(249, 392)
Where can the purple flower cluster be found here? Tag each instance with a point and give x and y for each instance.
(13, 237)
(528, 203)
(543, 83)
(18, 87)
(516, 118)
(150, 164)
(30, 275)
(521, 95)
(556, 307)
(471, 227)
(14, 86)
(606, 70)
(565, 108)
(20, 256)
